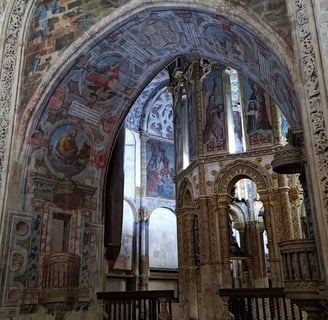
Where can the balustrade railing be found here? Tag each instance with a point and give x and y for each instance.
(260, 304)
(137, 305)
(61, 278)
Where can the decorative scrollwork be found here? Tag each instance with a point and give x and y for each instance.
(313, 94)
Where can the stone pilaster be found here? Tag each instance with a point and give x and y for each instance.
(270, 225)
(314, 113)
(143, 245)
(295, 198)
(190, 268)
(258, 270)
(285, 213)
(222, 203)
(210, 258)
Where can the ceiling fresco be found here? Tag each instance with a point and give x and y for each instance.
(93, 95)
(134, 117)
(58, 23)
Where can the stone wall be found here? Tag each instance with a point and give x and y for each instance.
(321, 15)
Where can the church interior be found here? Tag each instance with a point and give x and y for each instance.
(164, 159)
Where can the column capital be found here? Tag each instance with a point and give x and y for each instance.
(144, 214)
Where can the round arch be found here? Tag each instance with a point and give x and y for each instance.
(121, 45)
(237, 170)
(124, 45)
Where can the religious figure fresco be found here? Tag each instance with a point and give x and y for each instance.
(69, 149)
(258, 116)
(160, 169)
(101, 80)
(214, 133)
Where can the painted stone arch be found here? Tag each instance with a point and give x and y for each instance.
(99, 82)
(186, 195)
(241, 169)
(116, 42)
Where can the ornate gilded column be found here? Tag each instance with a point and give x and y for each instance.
(143, 247)
(295, 198)
(270, 226)
(312, 90)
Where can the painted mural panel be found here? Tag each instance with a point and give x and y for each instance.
(160, 169)
(56, 24)
(160, 115)
(214, 131)
(257, 114)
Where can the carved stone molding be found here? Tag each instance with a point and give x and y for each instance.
(10, 61)
(313, 96)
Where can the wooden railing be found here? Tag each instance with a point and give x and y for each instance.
(134, 305)
(260, 304)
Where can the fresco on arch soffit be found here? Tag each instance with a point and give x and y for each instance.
(134, 117)
(55, 25)
(96, 91)
(58, 23)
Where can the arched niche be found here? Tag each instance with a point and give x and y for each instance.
(163, 239)
(185, 195)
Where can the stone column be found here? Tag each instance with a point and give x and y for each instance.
(258, 272)
(285, 212)
(210, 259)
(295, 198)
(276, 123)
(270, 226)
(190, 268)
(223, 224)
(143, 247)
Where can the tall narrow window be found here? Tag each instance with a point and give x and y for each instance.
(234, 112)
(186, 160)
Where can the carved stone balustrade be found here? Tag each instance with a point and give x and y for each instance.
(61, 278)
(302, 277)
